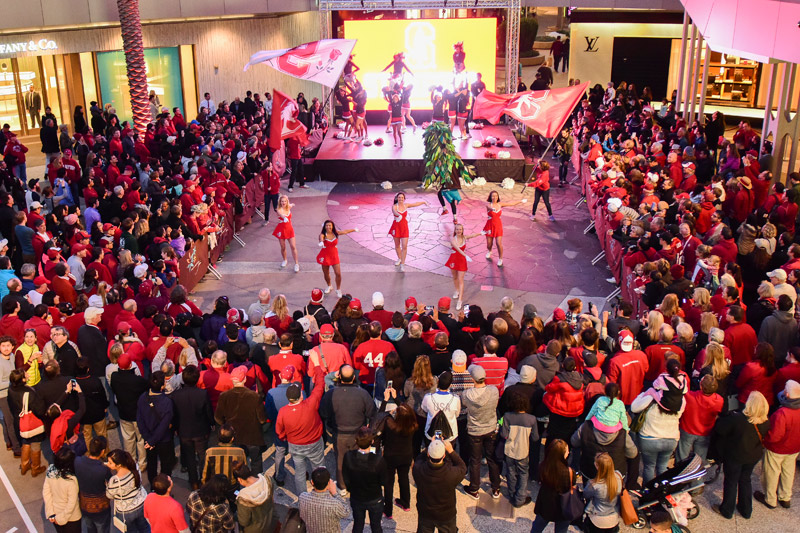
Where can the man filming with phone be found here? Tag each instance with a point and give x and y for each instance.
(437, 472)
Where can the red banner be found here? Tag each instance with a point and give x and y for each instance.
(284, 123)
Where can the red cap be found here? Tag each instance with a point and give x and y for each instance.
(53, 252)
(83, 235)
(145, 287)
(226, 151)
(107, 226)
(316, 296)
(559, 314)
(326, 329)
(287, 373)
(123, 326)
(40, 280)
(411, 303)
(239, 374)
(444, 302)
(124, 361)
(233, 315)
(626, 340)
(189, 183)
(752, 153)
(76, 248)
(355, 303)
(209, 190)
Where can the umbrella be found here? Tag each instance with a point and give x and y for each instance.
(763, 30)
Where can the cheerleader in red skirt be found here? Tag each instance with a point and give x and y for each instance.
(284, 230)
(494, 226)
(399, 229)
(329, 255)
(457, 262)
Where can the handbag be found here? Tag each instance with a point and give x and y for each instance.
(572, 505)
(29, 424)
(637, 424)
(626, 508)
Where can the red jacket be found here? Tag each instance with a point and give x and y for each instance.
(785, 373)
(136, 325)
(562, 398)
(300, 423)
(215, 381)
(784, 431)
(743, 204)
(742, 340)
(369, 357)
(281, 360)
(65, 289)
(12, 326)
(656, 354)
(726, 250)
(701, 413)
(627, 369)
(542, 181)
(703, 223)
(754, 378)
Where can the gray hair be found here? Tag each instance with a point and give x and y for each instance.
(264, 294)
(60, 329)
(716, 335)
(507, 304)
(270, 336)
(27, 269)
(415, 329)
(168, 368)
(219, 358)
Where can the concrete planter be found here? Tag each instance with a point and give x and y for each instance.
(531, 61)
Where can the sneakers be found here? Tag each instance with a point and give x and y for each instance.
(786, 504)
(551, 218)
(533, 218)
(499, 262)
(338, 293)
(291, 189)
(473, 495)
(402, 268)
(455, 295)
(296, 267)
(458, 305)
(528, 500)
(397, 263)
(328, 290)
(304, 186)
(611, 280)
(283, 264)
(398, 503)
(488, 255)
(496, 494)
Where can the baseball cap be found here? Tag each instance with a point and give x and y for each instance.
(36, 205)
(316, 296)
(140, 271)
(411, 303)
(107, 226)
(778, 273)
(626, 341)
(233, 315)
(444, 302)
(287, 373)
(95, 300)
(326, 330)
(478, 373)
(91, 313)
(355, 303)
(459, 360)
(124, 326)
(239, 374)
(77, 248)
(436, 449)
(124, 361)
(293, 393)
(527, 374)
(377, 299)
(40, 280)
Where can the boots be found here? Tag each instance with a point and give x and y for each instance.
(25, 462)
(36, 463)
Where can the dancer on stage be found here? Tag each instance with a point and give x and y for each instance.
(439, 102)
(396, 107)
(458, 54)
(399, 229)
(397, 65)
(359, 96)
(329, 255)
(457, 262)
(350, 68)
(494, 226)
(284, 230)
(459, 99)
(347, 116)
(407, 107)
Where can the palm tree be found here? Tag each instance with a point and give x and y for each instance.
(131, 26)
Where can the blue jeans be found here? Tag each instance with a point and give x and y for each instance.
(360, 510)
(540, 523)
(655, 455)
(689, 443)
(21, 171)
(517, 480)
(135, 521)
(313, 453)
(97, 523)
(280, 460)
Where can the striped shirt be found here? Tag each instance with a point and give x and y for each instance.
(462, 381)
(496, 369)
(322, 512)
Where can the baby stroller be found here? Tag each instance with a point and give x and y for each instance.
(671, 492)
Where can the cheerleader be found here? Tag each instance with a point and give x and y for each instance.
(284, 230)
(329, 255)
(494, 225)
(459, 100)
(397, 65)
(347, 116)
(457, 262)
(458, 54)
(439, 102)
(350, 68)
(396, 107)
(359, 97)
(399, 229)
(406, 97)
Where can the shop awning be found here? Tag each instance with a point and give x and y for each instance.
(762, 30)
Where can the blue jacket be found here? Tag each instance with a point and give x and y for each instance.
(154, 418)
(5, 276)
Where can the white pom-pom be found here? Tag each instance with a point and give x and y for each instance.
(503, 154)
(507, 143)
(480, 182)
(476, 144)
(492, 140)
(386, 185)
(507, 183)
(341, 125)
(367, 142)
(340, 135)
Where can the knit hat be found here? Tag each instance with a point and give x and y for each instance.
(677, 271)
(529, 311)
(239, 374)
(232, 316)
(411, 303)
(478, 373)
(527, 374)
(316, 296)
(288, 372)
(559, 314)
(625, 340)
(124, 361)
(459, 361)
(293, 393)
(444, 302)
(436, 449)
(377, 299)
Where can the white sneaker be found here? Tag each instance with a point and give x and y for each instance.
(283, 264)
(488, 255)
(397, 263)
(611, 280)
(291, 189)
(499, 262)
(458, 305)
(296, 267)
(328, 290)
(533, 217)
(402, 268)
(455, 295)
(338, 293)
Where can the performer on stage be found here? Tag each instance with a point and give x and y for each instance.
(350, 68)
(399, 229)
(439, 103)
(347, 116)
(284, 230)
(329, 255)
(397, 65)
(542, 185)
(407, 107)
(459, 99)
(452, 195)
(359, 96)
(476, 89)
(457, 262)
(494, 226)
(396, 107)
(458, 54)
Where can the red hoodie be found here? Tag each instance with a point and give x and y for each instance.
(701, 413)
(627, 369)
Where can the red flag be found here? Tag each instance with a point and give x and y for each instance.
(544, 111)
(319, 61)
(284, 121)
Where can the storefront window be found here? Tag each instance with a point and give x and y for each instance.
(51, 87)
(9, 110)
(29, 76)
(163, 77)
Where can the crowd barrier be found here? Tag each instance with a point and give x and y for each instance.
(613, 251)
(204, 254)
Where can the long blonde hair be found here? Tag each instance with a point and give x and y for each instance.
(669, 305)
(280, 307)
(756, 409)
(606, 474)
(702, 298)
(715, 358)
(708, 320)
(421, 376)
(654, 322)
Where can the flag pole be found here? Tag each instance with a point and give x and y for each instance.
(525, 184)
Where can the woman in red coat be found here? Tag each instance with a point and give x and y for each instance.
(758, 375)
(542, 184)
(494, 225)
(329, 255)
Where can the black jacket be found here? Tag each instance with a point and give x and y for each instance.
(363, 475)
(50, 390)
(127, 387)
(436, 485)
(193, 414)
(95, 396)
(738, 440)
(408, 349)
(93, 344)
(346, 408)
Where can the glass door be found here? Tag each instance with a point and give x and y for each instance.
(31, 93)
(9, 106)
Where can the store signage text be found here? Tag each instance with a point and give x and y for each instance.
(30, 46)
(591, 44)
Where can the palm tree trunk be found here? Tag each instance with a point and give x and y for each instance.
(131, 27)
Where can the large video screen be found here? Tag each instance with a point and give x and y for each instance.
(428, 47)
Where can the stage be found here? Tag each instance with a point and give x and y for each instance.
(342, 161)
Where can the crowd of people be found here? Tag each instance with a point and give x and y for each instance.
(97, 334)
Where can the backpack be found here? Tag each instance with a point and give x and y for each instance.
(439, 422)
(293, 523)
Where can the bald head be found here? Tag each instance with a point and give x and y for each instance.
(347, 374)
